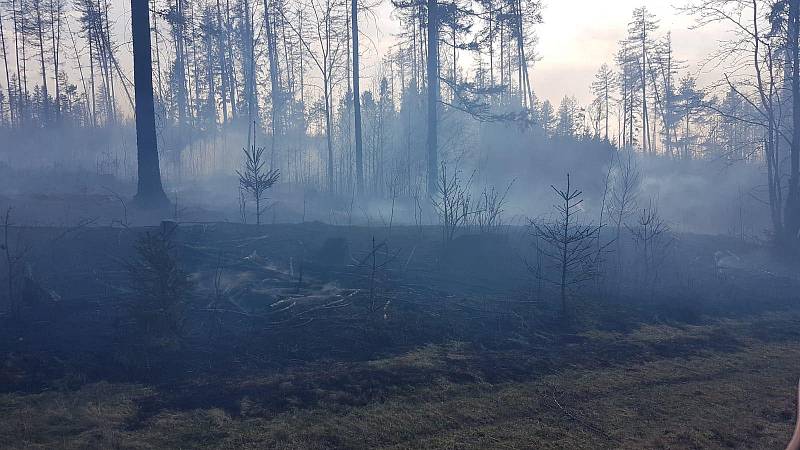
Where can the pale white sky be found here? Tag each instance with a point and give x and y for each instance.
(578, 36)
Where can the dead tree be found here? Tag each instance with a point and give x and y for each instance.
(601, 224)
(651, 234)
(451, 201)
(254, 179)
(377, 261)
(626, 182)
(568, 244)
(490, 209)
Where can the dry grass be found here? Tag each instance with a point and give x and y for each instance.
(712, 399)
(91, 417)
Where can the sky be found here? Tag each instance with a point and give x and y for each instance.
(578, 36)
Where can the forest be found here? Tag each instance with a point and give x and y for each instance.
(316, 224)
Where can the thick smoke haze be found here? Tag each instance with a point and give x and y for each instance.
(375, 224)
(195, 159)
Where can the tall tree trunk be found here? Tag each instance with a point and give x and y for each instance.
(8, 77)
(210, 113)
(631, 97)
(180, 63)
(523, 60)
(792, 212)
(191, 37)
(606, 87)
(90, 41)
(103, 37)
(274, 78)
(56, 14)
(490, 25)
(22, 97)
(45, 113)
(686, 154)
(624, 113)
(109, 62)
(357, 98)
(249, 63)
(433, 94)
(150, 192)
(302, 59)
(21, 42)
(328, 129)
(222, 64)
(502, 51)
(645, 124)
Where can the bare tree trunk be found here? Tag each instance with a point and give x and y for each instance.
(55, 17)
(630, 115)
(523, 60)
(274, 77)
(502, 50)
(433, 94)
(231, 72)
(210, 115)
(22, 97)
(193, 40)
(492, 30)
(624, 112)
(328, 129)
(42, 67)
(249, 63)
(302, 59)
(150, 192)
(104, 51)
(180, 62)
(606, 87)
(80, 69)
(109, 59)
(92, 51)
(645, 121)
(792, 211)
(8, 77)
(222, 64)
(357, 98)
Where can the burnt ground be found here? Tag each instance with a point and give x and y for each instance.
(318, 336)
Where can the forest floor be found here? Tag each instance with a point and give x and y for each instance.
(355, 337)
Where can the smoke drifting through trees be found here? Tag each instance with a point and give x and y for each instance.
(239, 109)
(331, 122)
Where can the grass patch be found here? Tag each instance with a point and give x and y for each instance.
(712, 399)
